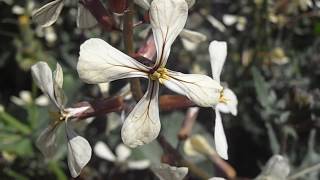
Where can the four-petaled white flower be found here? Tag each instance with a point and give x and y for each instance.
(218, 54)
(99, 62)
(79, 150)
(49, 13)
(122, 153)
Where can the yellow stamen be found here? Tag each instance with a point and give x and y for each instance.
(222, 98)
(161, 75)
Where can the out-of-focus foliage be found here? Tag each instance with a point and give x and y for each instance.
(273, 66)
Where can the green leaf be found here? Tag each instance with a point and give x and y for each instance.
(12, 121)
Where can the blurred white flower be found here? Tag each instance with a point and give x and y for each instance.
(79, 150)
(121, 156)
(216, 23)
(25, 98)
(49, 13)
(167, 172)
(218, 54)
(99, 62)
(239, 21)
(19, 10)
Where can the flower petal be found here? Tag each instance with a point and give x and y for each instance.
(231, 105)
(145, 4)
(220, 137)
(99, 62)
(46, 142)
(165, 172)
(57, 84)
(48, 14)
(143, 124)
(79, 151)
(218, 54)
(42, 75)
(201, 89)
(84, 18)
(103, 151)
(167, 18)
(191, 39)
(139, 164)
(122, 152)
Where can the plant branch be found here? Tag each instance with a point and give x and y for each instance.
(128, 43)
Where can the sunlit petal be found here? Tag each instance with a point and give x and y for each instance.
(201, 89)
(167, 18)
(166, 172)
(218, 54)
(57, 84)
(139, 164)
(230, 106)
(48, 14)
(122, 152)
(143, 124)
(103, 151)
(220, 137)
(84, 18)
(46, 141)
(79, 151)
(42, 75)
(99, 62)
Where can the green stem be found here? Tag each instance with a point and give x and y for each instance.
(7, 118)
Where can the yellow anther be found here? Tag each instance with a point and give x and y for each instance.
(222, 98)
(161, 75)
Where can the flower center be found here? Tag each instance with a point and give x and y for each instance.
(160, 74)
(222, 98)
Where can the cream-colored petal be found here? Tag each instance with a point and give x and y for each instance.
(84, 18)
(167, 18)
(230, 106)
(103, 151)
(42, 76)
(198, 145)
(46, 142)
(145, 4)
(220, 139)
(122, 152)
(79, 151)
(167, 172)
(99, 62)
(191, 39)
(48, 14)
(218, 54)
(143, 124)
(57, 84)
(201, 89)
(139, 164)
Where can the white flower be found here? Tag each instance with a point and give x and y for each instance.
(99, 62)
(277, 168)
(239, 21)
(167, 172)
(122, 153)
(79, 150)
(218, 54)
(190, 39)
(49, 13)
(25, 98)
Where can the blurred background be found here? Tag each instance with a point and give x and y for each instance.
(273, 66)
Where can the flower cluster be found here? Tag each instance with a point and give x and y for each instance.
(99, 62)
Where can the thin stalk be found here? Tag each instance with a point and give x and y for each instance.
(128, 44)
